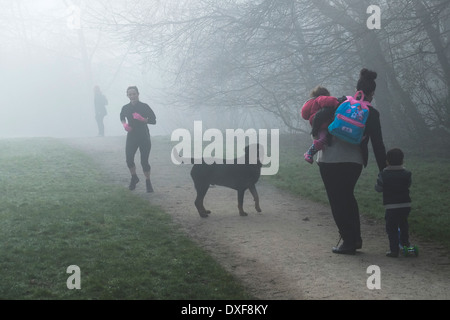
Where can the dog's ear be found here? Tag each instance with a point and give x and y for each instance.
(252, 153)
(261, 152)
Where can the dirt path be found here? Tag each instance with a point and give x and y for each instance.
(284, 252)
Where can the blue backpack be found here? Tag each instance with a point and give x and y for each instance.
(350, 119)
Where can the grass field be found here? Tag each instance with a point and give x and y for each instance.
(430, 194)
(57, 210)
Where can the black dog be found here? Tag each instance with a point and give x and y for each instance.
(241, 175)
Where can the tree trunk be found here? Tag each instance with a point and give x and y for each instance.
(433, 34)
(303, 50)
(390, 95)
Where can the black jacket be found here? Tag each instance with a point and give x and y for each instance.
(394, 182)
(373, 133)
(139, 128)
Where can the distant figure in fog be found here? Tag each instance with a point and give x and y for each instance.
(135, 118)
(100, 103)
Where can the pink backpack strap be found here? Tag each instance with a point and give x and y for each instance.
(364, 104)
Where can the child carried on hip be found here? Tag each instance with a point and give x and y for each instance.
(319, 111)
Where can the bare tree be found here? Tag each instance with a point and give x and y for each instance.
(267, 55)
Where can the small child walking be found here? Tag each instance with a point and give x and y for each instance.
(319, 110)
(394, 182)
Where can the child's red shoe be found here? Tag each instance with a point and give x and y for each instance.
(308, 158)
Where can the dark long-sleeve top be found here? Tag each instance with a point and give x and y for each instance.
(374, 134)
(139, 128)
(394, 182)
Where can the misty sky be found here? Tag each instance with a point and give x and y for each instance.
(43, 77)
(44, 87)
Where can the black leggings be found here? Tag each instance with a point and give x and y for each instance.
(340, 180)
(144, 145)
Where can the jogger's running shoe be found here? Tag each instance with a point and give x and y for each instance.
(133, 182)
(149, 186)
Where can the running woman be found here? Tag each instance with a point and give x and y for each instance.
(135, 117)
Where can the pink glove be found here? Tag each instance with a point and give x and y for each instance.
(127, 127)
(137, 116)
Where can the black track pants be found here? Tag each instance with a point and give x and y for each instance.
(340, 180)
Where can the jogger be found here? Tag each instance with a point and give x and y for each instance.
(135, 117)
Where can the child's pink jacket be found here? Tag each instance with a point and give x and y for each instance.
(313, 105)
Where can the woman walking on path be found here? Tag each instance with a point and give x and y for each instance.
(341, 165)
(135, 117)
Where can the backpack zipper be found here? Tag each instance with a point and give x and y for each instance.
(350, 120)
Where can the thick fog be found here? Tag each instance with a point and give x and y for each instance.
(46, 89)
(233, 64)
(47, 86)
